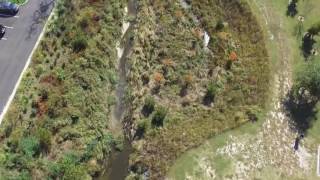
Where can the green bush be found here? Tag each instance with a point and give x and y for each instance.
(219, 25)
(212, 89)
(159, 116)
(308, 78)
(79, 44)
(68, 168)
(149, 104)
(141, 128)
(30, 146)
(75, 173)
(315, 29)
(44, 137)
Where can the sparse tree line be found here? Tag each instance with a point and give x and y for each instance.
(305, 92)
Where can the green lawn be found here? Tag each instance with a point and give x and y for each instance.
(191, 163)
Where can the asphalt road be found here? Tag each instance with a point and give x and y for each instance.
(22, 33)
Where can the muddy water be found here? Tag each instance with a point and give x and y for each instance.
(117, 166)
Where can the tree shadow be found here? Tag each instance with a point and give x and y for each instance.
(292, 8)
(307, 45)
(302, 111)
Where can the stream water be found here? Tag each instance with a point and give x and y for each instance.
(117, 166)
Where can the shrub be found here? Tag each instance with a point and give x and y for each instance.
(44, 137)
(159, 116)
(308, 78)
(75, 173)
(211, 93)
(142, 127)
(315, 29)
(84, 23)
(219, 25)
(79, 44)
(24, 175)
(233, 56)
(149, 105)
(30, 146)
(69, 168)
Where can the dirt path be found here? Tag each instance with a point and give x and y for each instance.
(273, 145)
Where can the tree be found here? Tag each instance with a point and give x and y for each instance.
(314, 30)
(308, 40)
(308, 78)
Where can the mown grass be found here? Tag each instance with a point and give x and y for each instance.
(189, 164)
(308, 9)
(57, 126)
(168, 52)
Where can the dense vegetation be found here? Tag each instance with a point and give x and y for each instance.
(184, 92)
(57, 126)
(181, 89)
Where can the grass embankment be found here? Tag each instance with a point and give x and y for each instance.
(19, 2)
(182, 93)
(204, 162)
(57, 125)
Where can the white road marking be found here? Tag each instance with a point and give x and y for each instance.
(9, 27)
(5, 39)
(16, 16)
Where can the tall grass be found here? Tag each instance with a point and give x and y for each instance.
(58, 123)
(169, 44)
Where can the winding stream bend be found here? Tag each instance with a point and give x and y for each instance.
(117, 167)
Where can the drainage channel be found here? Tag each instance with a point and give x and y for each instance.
(118, 164)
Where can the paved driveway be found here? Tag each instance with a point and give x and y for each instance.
(22, 34)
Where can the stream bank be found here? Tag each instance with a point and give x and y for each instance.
(118, 163)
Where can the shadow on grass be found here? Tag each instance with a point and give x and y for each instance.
(292, 8)
(307, 45)
(302, 112)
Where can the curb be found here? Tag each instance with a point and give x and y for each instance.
(24, 3)
(6, 107)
